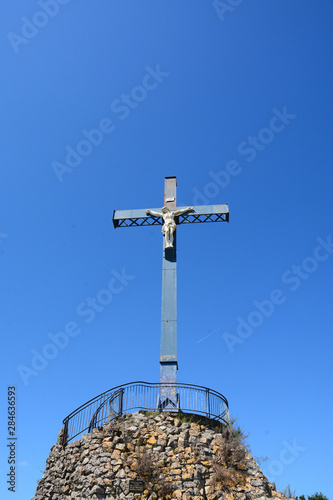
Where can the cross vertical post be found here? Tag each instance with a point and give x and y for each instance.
(168, 355)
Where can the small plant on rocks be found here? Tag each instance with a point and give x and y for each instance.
(144, 466)
(229, 464)
(288, 492)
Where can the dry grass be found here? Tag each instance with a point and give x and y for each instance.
(229, 464)
(144, 466)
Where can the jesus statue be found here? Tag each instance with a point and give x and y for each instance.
(169, 225)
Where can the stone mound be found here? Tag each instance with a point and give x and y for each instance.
(165, 455)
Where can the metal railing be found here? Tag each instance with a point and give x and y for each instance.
(143, 396)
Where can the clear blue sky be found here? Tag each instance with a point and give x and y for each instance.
(237, 105)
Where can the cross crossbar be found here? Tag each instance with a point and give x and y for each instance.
(202, 213)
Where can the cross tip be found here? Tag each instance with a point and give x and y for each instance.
(171, 177)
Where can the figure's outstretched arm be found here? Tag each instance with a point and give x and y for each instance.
(179, 212)
(155, 214)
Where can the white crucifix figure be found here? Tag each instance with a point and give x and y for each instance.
(169, 225)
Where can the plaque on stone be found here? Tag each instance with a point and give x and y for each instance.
(136, 486)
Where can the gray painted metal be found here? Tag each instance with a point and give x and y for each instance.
(169, 310)
(168, 356)
(203, 213)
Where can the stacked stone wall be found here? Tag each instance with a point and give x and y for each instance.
(175, 457)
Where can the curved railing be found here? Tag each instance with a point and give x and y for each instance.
(143, 396)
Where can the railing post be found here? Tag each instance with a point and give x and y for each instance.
(121, 400)
(208, 402)
(65, 434)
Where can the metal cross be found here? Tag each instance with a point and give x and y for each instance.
(169, 217)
